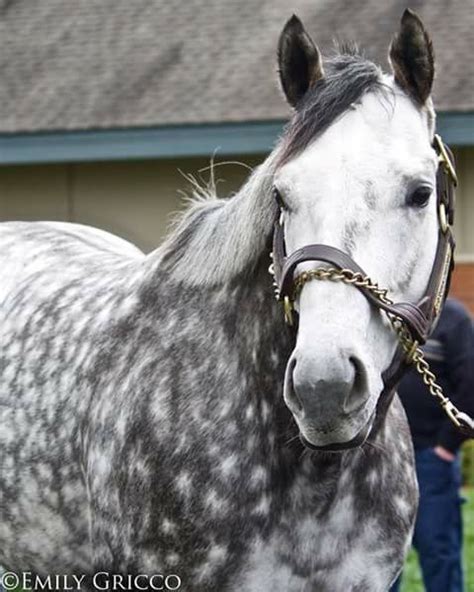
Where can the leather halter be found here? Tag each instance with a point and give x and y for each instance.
(420, 317)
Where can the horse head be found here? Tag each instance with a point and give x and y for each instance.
(357, 172)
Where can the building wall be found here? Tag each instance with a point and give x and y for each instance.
(137, 200)
(464, 219)
(462, 285)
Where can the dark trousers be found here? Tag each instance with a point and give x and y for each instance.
(438, 530)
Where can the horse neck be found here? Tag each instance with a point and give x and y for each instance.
(214, 296)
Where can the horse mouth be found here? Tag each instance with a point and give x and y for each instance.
(355, 442)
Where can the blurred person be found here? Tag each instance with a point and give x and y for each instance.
(438, 530)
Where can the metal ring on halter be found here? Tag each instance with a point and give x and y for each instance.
(412, 351)
(288, 309)
(443, 218)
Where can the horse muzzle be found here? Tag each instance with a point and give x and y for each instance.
(330, 400)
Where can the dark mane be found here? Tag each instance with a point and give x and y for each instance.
(348, 77)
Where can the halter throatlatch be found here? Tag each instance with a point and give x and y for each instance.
(412, 322)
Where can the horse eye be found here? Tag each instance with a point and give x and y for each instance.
(278, 198)
(420, 197)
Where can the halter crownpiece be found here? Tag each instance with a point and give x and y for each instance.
(412, 322)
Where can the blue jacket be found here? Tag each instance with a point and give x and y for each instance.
(450, 353)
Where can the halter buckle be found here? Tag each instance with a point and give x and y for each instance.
(444, 159)
(288, 308)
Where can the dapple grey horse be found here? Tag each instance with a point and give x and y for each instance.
(150, 405)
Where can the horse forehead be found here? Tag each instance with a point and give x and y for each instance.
(374, 140)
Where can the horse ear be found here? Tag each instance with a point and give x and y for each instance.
(299, 61)
(412, 58)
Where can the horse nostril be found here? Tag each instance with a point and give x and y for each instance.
(359, 385)
(314, 388)
(292, 399)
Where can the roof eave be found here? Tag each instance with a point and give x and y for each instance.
(176, 141)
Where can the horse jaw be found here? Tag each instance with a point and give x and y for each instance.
(347, 190)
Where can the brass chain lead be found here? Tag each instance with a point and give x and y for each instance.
(414, 354)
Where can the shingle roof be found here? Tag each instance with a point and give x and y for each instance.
(121, 63)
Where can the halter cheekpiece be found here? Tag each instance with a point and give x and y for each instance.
(413, 322)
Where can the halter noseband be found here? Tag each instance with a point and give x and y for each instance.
(413, 322)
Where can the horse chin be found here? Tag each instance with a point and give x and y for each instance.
(357, 441)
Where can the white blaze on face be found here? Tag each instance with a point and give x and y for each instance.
(348, 190)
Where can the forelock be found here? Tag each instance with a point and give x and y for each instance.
(348, 77)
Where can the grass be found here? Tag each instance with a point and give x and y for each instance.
(412, 581)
